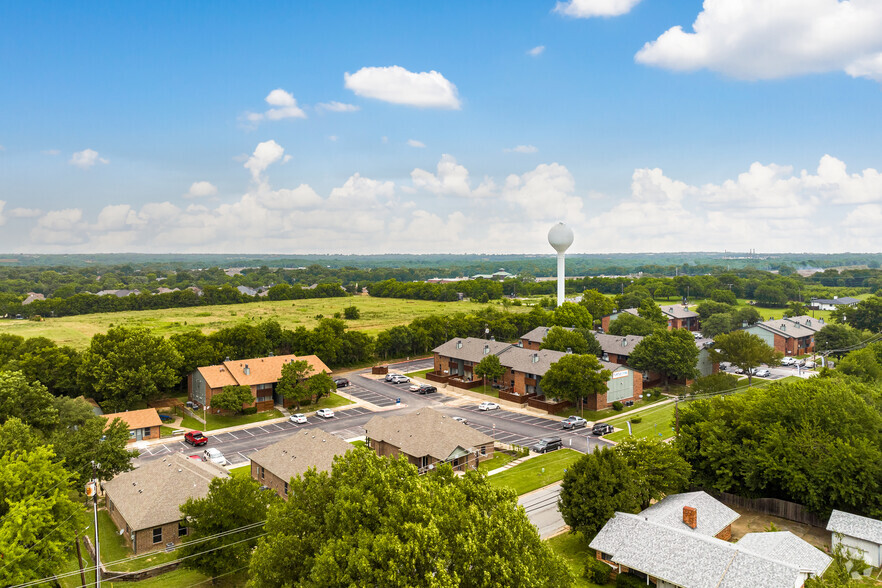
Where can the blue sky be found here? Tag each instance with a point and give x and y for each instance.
(130, 127)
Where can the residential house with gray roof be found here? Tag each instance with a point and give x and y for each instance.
(428, 438)
(274, 466)
(834, 303)
(683, 509)
(861, 536)
(790, 336)
(145, 502)
(678, 316)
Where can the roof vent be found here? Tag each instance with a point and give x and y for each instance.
(624, 341)
(227, 358)
(783, 327)
(535, 358)
(247, 370)
(486, 349)
(459, 344)
(569, 350)
(492, 338)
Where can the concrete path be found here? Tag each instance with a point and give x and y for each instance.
(541, 507)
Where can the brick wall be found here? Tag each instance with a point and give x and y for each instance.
(269, 479)
(531, 345)
(690, 516)
(144, 538)
(725, 534)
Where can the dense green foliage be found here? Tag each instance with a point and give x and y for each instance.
(658, 469)
(672, 354)
(576, 340)
(713, 383)
(596, 571)
(744, 350)
(574, 377)
(837, 339)
(865, 315)
(232, 398)
(375, 521)
(629, 324)
(489, 368)
(817, 442)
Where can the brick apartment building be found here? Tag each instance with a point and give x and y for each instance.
(790, 336)
(274, 466)
(261, 374)
(145, 503)
(142, 424)
(678, 317)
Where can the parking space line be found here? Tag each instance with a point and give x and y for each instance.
(233, 436)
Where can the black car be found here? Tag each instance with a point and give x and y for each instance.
(601, 429)
(426, 389)
(341, 382)
(547, 444)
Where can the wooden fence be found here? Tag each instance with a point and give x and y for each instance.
(790, 511)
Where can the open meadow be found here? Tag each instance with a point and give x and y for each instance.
(377, 314)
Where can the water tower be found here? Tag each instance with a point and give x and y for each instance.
(560, 237)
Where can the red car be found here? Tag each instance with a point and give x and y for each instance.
(195, 438)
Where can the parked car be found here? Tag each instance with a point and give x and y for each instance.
(195, 438)
(414, 387)
(762, 373)
(391, 375)
(788, 361)
(460, 419)
(602, 429)
(325, 413)
(809, 364)
(215, 456)
(488, 406)
(737, 370)
(426, 389)
(574, 422)
(298, 419)
(399, 379)
(341, 382)
(547, 444)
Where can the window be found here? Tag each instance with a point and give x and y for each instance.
(264, 398)
(157, 534)
(260, 471)
(109, 505)
(483, 450)
(147, 431)
(182, 529)
(606, 556)
(264, 386)
(286, 488)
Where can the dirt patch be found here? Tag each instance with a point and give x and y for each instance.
(755, 522)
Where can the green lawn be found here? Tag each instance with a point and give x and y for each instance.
(113, 547)
(166, 431)
(358, 443)
(216, 421)
(419, 374)
(487, 390)
(241, 471)
(574, 549)
(537, 472)
(599, 415)
(332, 401)
(499, 459)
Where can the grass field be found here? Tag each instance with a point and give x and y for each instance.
(216, 421)
(241, 471)
(377, 314)
(537, 472)
(574, 549)
(499, 459)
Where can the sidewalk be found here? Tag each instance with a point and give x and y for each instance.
(512, 464)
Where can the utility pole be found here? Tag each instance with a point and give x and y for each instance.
(95, 512)
(80, 558)
(677, 413)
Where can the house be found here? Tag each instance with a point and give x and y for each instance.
(164, 290)
(260, 374)
(458, 357)
(142, 424)
(861, 536)
(832, 304)
(246, 290)
(672, 546)
(117, 293)
(428, 438)
(790, 336)
(679, 317)
(32, 296)
(145, 502)
(274, 466)
(497, 275)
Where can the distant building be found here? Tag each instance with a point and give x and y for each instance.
(790, 336)
(834, 303)
(117, 293)
(31, 297)
(246, 290)
(678, 316)
(498, 275)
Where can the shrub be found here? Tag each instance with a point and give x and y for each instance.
(484, 298)
(597, 572)
(338, 315)
(617, 405)
(351, 313)
(629, 581)
(250, 410)
(635, 420)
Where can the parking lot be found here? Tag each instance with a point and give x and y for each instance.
(370, 396)
(523, 429)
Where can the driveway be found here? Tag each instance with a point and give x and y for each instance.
(541, 507)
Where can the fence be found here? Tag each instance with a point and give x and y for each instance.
(790, 511)
(551, 407)
(512, 397)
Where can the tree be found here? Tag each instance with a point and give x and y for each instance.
(673, 354)
(374, 521)
(561, 339)
(127, 365)
(291, 382)
(865, 315)
(862, 364)
(770, 295)
(594, 347)
(833, 337)
(38, 518)
(795, 309)
(841, 572)
(94, 440)
(744, 350)
(231, 503)
(665, 291)
(714, 383)
(724, 296)
(596, 487)
(351, 313)
(658, 468)
(196, 350)
(597, 304)
(54, 367)
(650, 311)
(319, 385)
(570, 314)
(233, 398)
(628, 324)
(710, 307)
(490, 368)
(573, 377)
(746, 316)
(717, 324)
(30, 402)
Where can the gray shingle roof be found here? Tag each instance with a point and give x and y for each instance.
(678, 311)
(152, 494)
(815, 324)
(293, 455)
(787, 547)
(787, 328)
(613, 343)
(712, 515)
(689, 559)
(470, 348)
(837, 301)
(538, 334)
(427, 432)
(855, 526)
(529, 361)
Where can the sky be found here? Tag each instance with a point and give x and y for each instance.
(440, 127)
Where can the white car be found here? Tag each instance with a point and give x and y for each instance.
(298, 419)
(325, 413)
(488, 406)
(459, 419)
(788, 361)
(762, 373)
(399, 379)
(215, 456)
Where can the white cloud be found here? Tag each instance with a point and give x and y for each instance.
(265, 154)
(60, 227)
(547, 192)
(522, 149)
(51, 152)
(399, 86)
(758, 39)
(536, 51)
(201, 189)
(86, 158)
(384, 139)
(451, 179)
(284, 105)
(2, 217)
(591, 8)
(25, 212)
(337, 107)
(332, 138)
(416, 144)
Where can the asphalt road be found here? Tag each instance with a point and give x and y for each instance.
(541, 507)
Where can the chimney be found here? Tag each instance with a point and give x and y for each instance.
(247, 370)
(492, 338)
(624, 341)
(459, 344)
(690, 516)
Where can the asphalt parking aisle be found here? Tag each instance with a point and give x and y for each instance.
(368, 396)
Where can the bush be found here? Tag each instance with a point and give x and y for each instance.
(629, 581)
(635, 420)
(484, 298)
(597, 572)
(617, 405)
(351, 313)
(250, 410)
